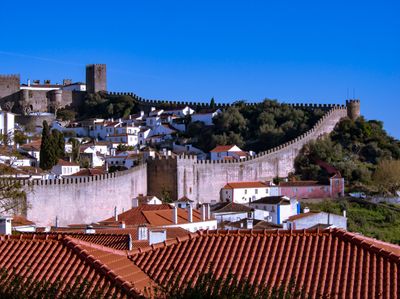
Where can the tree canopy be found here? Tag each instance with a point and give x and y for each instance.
(355, 148)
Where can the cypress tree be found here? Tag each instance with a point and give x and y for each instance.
(48, 157)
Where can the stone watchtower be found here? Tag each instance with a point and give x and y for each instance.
(96, 78)
(353, 109)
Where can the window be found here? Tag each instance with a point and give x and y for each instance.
(256, 191)
(245, 191)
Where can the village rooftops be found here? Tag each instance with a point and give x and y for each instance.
(245, 185)
(184, 199)
(88, 172)
(331, 263)
(272, 200)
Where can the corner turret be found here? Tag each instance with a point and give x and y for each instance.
(353, 108)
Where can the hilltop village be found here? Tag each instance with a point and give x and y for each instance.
(129, 189)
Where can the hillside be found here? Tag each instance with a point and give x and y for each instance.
(381, 221)
(355, 148)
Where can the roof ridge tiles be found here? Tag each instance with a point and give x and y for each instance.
(100, 266)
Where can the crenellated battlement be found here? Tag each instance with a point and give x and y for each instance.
(194, 104)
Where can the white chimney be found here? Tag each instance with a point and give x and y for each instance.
(306, 210)
(122, 224)
(190, 213)
(5, 225)
(203, 212)
(208, 211)
(56, 224)
(130, 245)
(175, 215)
(142, 232)
(249, 224)
(90, 230)
(135, 202)
(344, 213)
(29, 82)
(115, 214)
(157, 236)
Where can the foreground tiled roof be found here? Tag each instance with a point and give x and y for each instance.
(61, 258)
(333, 263)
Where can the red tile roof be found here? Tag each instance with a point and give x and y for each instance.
(135, 216)
(66, 163)
(334, 263)
(164, 217)
(221, 148)
(64, 259)
(88, 172)
(298, 184)
(241, 185)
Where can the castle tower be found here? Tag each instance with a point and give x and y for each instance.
(9, 84)
(96, 78)
(353, 109)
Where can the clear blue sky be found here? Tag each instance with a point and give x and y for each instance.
(294, 51)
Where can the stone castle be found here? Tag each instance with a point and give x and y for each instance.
(79, 200)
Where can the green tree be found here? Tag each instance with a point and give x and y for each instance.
(48, 154)
(387, 176)
(75, 149)
(58, 142)
(212, 103)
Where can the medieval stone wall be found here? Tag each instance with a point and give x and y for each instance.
(202, 180)
(84, 200)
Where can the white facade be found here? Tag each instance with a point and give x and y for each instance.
(206, 118)
(278, 211)
(222, 152)
(7, 126)
(65, 169)
(246, 192)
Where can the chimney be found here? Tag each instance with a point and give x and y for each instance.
(306, 210)
(130, 242)
(5, 225)
(135, 202)
(208, 211)
(29, 82)
(157, 236)
(56, 224)
(175, 215)
(122, 224)
(203, 212)
(90, 230)
(115, 214)
(249, 224)
(142, 232)
(344, 213)
(190, 213)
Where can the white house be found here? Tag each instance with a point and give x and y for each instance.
(280, 208)
(145, 200)
(230, 212)
(143, 135)
(95, 158)
(223, 152)
(206, 116)
(126, 159)
(7, 126)
(181, 112)
(127, 139)
(310, 219)
(63, 168)
(245, 192)
(32, 149)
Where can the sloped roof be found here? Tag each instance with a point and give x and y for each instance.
(303, 215)
(88, 172)
(332, 262)
(184, 199)
(62, 162)
(240, 185)
(135, 216)
(272, 200)
(222, 148)
(299, 184)
(64, 259)
(164, 217)
(229, 207)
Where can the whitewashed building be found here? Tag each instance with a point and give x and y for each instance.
(246, 192)
(63, 168)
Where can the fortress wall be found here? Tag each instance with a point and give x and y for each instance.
(84, 200)
(9, 84)
(202, 180)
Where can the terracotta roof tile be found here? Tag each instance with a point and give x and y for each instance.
(164, 217)
(239, 185)
(229, 207)
(58, 258)
(221, 148)
(334, 263)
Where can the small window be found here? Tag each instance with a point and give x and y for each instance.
(256, 191)
(245, 191)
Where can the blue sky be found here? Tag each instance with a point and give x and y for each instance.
(294, 51)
